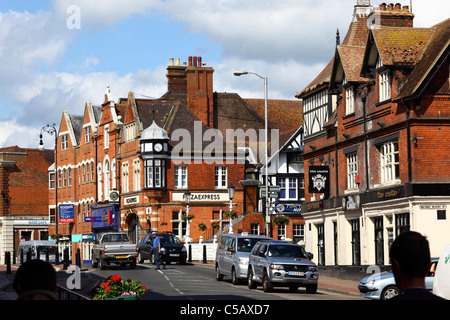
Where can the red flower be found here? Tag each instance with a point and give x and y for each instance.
(116, 278)
(108, 289)
(105, 284)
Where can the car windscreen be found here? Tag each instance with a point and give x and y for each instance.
(246, 244)
(279, 250)
(169, 240)
(49, 249)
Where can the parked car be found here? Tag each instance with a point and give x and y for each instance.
(172, 250)
(281, 263)
(233, 250)
(113, 247)
(382, 286)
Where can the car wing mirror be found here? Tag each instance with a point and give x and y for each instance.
(309, 255)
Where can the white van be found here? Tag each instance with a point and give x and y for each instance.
(35, 246)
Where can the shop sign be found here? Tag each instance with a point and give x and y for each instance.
(288, 208)
(131, 200)
(201, 196)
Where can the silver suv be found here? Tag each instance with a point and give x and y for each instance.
(281, 263)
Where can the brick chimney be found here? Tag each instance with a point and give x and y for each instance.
(393, 15)
(176, 77)
(200, 90)
(196, 81)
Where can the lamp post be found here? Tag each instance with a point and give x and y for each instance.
(231, 189)
(266, 178)
(187, 199)
(51, 129)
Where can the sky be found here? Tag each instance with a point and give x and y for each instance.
(56, 55)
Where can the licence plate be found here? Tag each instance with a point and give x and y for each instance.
(296, 273)
(174, 255)
(121, 257)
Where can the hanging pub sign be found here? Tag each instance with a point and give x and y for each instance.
(319, 179)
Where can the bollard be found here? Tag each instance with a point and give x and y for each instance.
(204, 253)
(14, 257)
(47, 256)
(77, 258)
(66, 259)
(28, 255)
(190, 253)
(8, 261)
(38, 253)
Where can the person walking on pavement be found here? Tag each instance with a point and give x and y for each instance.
(410, 259)
(157, 251)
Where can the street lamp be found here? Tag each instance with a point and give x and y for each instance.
(51, 129)
(266, 178)
(187, 199)
(231, 189)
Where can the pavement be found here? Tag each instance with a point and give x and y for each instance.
(326, 283)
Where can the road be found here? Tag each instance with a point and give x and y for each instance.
(198, 282)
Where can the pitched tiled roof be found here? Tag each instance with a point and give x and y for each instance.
(356, 37)
(437, 45)
(352, 58)
(401, 46)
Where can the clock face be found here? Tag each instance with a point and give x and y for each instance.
(158, 147)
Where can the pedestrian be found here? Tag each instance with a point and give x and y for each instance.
(157, 251)
(410, 260)
(35, 280)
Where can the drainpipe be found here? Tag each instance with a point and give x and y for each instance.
(408, 143)
(366, 151)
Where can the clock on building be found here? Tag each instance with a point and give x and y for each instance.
(158, 147)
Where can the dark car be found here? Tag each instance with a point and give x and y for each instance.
(172, 250)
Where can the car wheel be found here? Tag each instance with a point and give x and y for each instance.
(389, 292)
(140, 258)
(94, 263)
(152, 258)
(267, 285)
(311, 288)
(219, 276)
(102, 264)
(234, 278)
(251, 283)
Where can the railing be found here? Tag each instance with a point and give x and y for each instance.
(66, 294)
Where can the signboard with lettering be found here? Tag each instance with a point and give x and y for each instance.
(288, 208)
(66, 213)
(105, 217)
(319, 179)
(202, 196)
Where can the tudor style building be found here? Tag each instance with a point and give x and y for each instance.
(127, 165)
(376, 138)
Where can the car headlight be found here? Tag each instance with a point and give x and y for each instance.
(276, 266)
(163, 250)
(243, 261)
(312, 268)
(183, 249)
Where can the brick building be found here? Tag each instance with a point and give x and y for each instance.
(126, 165)
(376, 140)
(24, 188)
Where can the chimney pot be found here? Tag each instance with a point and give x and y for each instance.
(199, 61)
(406, 8)
(195, 61)
(398, 7)
(177, 62)
(391, 6)
(171, 62)
(190, 61)
(383, 6)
